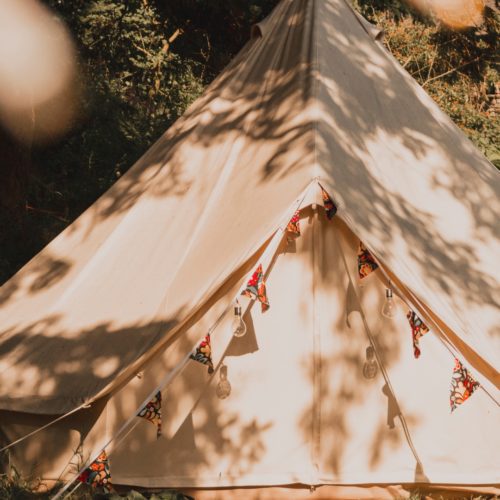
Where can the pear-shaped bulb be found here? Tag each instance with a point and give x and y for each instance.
(238, 326)
(370, 368)
(389, 307)
(223, 389)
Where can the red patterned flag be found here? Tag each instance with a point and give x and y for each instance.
(203, 353)
(152, 413)
(366, 263)
(418, 330)
(294, 225)
(462, 385)
(97, 474)
(256, 288)
(330, 207)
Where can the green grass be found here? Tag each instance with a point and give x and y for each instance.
(15, 487)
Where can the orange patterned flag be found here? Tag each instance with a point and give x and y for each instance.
(152, 413)
(418, 330)
(366, 262)
(203, 353)
(330, 207)
(294, 225)
(97, 473)
(462, 385)
(256, 288)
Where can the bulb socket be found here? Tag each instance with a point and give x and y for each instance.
(388, 293)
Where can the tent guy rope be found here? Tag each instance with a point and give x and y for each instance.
(282, 227)
(269, 253)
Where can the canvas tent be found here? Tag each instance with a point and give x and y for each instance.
(108, 313)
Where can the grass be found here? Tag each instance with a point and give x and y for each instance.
(14, 487)
(17, 488)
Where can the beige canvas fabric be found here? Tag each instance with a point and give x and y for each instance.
(300, 410)
(312, 98)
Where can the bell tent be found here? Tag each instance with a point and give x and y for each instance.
(317, 198)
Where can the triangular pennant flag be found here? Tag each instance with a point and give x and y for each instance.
(256, 288)
(97, 474)
(152, 412)
(203, 353)
(366, 263)
(462, 385)
(418, 330)
(293, 227)
(330, 207)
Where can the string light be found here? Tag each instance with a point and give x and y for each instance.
(389, 307)
(370, 368)
(238, 326)
(223, 389)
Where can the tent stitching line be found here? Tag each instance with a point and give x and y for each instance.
(382, 366)
(317, 376)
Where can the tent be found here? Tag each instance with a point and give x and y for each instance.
(312, 117)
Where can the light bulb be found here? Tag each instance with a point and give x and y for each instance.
(238, 326)
(370, 368)
(223, 389)
(389, 308)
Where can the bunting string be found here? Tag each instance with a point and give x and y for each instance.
(273, 246)
(450, 348)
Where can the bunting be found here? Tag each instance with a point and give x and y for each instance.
(97, 474)
(256, 288)
(293, 227)
(152, 413)
(330, 207)
(462, 385)
(366, 263)
(418, 330)
(203, 353)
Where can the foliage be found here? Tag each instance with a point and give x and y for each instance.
(142, 62)
(457, 68)
(15, 487)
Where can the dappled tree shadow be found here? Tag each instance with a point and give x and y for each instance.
(263, 100)
(286, 117)
(45, 272)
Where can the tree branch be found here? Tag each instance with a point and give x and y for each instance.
(450, 71)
